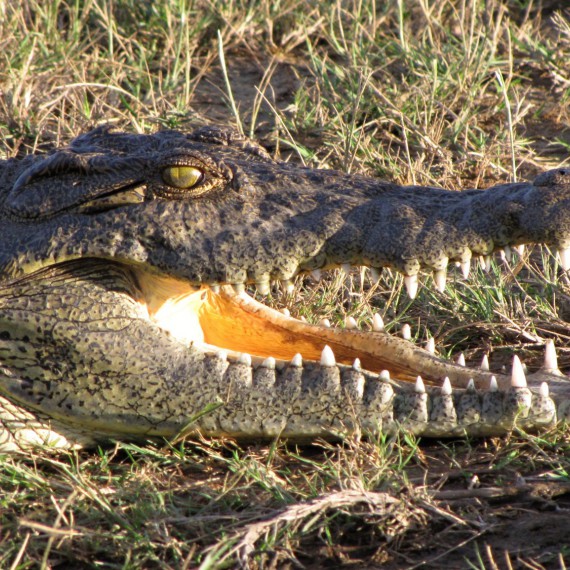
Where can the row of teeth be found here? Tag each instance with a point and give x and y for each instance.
(411, 282)
(518, 377)
(550, 358)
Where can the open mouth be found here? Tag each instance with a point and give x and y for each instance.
(242, 327)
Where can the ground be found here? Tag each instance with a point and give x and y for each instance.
(456, 94)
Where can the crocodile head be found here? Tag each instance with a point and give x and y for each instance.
(174, 226)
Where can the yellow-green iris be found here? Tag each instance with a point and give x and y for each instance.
(182, 176)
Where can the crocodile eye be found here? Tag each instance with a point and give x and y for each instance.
(182, 177)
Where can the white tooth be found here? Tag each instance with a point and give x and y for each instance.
(485, 261)
(356, 365)
(384, 376)
(420, 387)
(316, 274)
(377, 323)
(520, 249)
(564, 256)
(411, 283)
(461, 360)
(244, 358)
(327, 356)
(543, 390)
(406, 332)
(506, 254)
(375, 274)
(346, 268)
(215, 288)
(550, 358)
(303, 318)
(287, 286)
(446, 387)
(440, 279)
(518, 379)
(297, 361)
(465, 268)
(493, 385)
(239, 288)
(485, 362)
(263, 287)
(285, 311)
(350, 323)
(269, 362)
(325, 323)
(430, 345)
(222, 355)
(471, 385)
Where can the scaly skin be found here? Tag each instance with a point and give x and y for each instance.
(100, 250)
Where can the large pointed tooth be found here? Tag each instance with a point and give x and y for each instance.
(446, 389)
(239, 288)
(550, 358)
(461, 360)
(325, 323)
(222, 355)
(269, 362)
(440, 279)
(356, 365)
(384, 376)
(244, 358)
(518, 379)
(493, 384)
(471, 385)
(288, 286)
(303, 318)
(297, 361)
(346, 268)
(543, 390)
(377, 323)
(327, 356)
(420, 387)
(215, 288)
(263, 287)
(430, 345)
(375, 274)
(485, 261)
(564, 257)
(485, 362)
(350, 323)
(519, 249)
(406, 332)
(285, 311)
(411, 283)
(465, 268)
(316, 274)
(506, 254)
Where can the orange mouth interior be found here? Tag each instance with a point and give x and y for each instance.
(237, 324)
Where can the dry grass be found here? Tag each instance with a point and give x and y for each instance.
(456, 94)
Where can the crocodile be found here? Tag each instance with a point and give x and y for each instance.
(124, 260)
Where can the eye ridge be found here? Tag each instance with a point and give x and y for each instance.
(182, 177)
